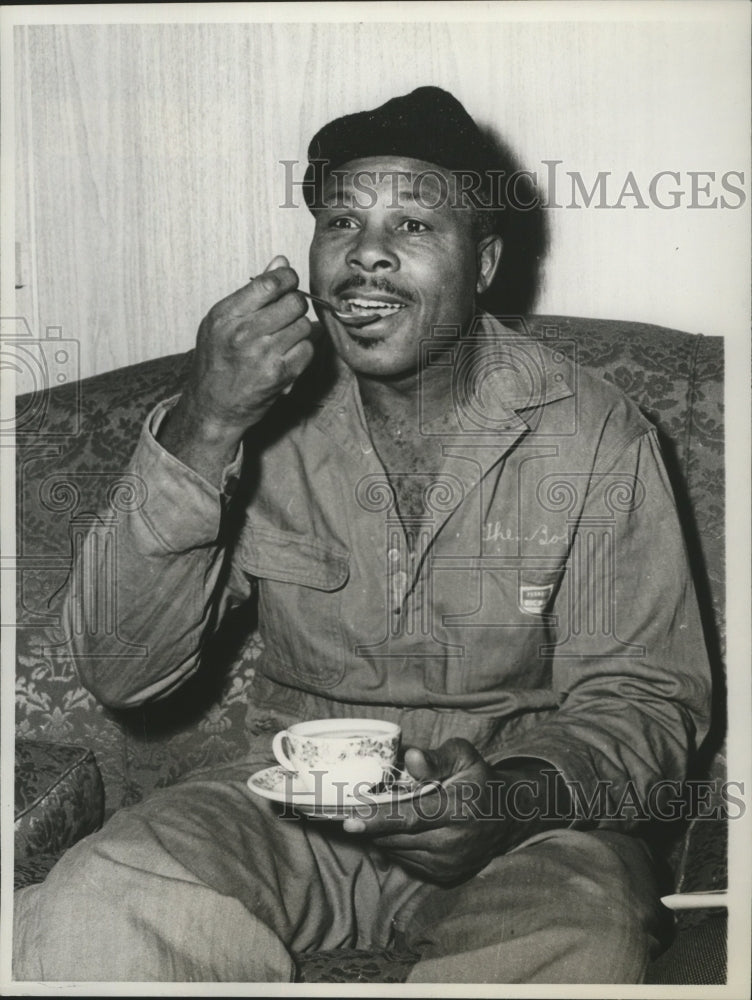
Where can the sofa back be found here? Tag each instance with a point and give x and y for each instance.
(74, 441)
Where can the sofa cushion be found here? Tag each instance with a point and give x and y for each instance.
(59, 797)
(346, 965)
(29, 871)
(697, 956)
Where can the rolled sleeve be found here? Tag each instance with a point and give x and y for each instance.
(182, 510)
(159, 587)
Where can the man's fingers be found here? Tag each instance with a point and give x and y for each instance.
(266, 287)
(263, 306)
(441, 763)
(354, 824)
(250, 323)
(423, 865)
(286, 339)
(426, 841)
(279, 261)
(406, 817)
(421, 765)
(296, 360)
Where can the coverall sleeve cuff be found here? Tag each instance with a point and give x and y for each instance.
(569, 766)
(182, 509)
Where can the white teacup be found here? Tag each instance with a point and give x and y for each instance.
(339, 756)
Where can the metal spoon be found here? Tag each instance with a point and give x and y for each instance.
(344, 317)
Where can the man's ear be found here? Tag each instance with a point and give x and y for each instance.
(489, 251)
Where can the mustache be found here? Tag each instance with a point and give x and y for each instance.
(356, 281)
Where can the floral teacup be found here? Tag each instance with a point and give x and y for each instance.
(339, 756)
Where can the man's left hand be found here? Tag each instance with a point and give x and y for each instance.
(450, 834)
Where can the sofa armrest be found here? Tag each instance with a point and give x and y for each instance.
(59, 797)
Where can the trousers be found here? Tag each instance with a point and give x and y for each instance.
(206, 882)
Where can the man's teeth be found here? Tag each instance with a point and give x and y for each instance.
(373, 305)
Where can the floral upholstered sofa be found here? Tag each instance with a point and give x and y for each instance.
(77, 762)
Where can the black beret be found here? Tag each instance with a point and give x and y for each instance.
(428, 124)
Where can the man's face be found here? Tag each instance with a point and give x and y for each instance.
(380, 246)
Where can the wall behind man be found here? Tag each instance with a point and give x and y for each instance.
(149, 178)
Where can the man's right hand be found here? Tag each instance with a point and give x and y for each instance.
(250, 348)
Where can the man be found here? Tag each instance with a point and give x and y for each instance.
(450, 526)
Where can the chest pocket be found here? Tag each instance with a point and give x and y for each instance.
(503, 618)
(300, 583)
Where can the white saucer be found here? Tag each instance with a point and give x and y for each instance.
(280, 785)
